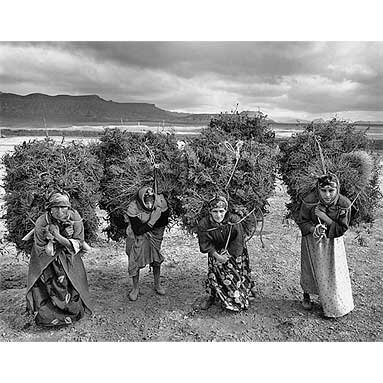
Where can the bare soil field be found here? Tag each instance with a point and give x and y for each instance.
(274, 315)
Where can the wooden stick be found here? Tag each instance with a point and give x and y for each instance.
(27, 237)
(321, 155)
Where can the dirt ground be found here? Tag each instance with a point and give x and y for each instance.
(275, 314)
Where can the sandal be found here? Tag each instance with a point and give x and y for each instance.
(160, 290)
(306, 303)
(133, 295)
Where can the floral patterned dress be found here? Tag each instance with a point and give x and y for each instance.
(229, 282)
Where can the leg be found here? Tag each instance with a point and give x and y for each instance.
(156, 274)
(133, 295)
(307, 304)
(207, 302)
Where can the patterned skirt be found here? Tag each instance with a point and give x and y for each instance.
(231, 282)
(55, 299)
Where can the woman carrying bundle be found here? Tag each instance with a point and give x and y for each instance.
(324, 218)
(147, 215)
(221, 235)
(57, 289)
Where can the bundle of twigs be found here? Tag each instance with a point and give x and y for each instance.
(241, 126)
(38, 167)
(338, 147)
(130, 161)
(240, 168)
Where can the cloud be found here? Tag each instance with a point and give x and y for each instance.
(307, 78)
(188, 59)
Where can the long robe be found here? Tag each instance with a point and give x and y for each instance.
(143, 242)
(230, 282)
(324, 269)
(57, 287)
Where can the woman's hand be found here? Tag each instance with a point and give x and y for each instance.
(48, 235)
(160, 202)
(222, 258)
(69, 231)
(319, 231)
(54, 230)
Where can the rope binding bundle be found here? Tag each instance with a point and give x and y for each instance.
(155, 168)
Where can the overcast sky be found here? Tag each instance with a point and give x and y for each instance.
(286, 80)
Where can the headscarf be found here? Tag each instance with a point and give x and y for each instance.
(328, 179)
(58, 199)
(218, 202)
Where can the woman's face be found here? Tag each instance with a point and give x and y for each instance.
(218, 214)
(148, 198)
(59, 212)
(327, 193)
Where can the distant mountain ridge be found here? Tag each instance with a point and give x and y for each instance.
(87, 109)
(37, 110)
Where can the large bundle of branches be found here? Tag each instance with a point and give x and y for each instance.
(38, 167)
(244, 127)
(130, 161)
(240, 166)
(346, 152)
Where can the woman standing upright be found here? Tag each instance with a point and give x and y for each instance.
(324, 218)
(222, 237)
(57, 289)
(147, 215)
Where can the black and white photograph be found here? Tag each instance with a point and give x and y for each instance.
(177, 191)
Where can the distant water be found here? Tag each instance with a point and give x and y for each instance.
(286, 128)
(7, 144)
